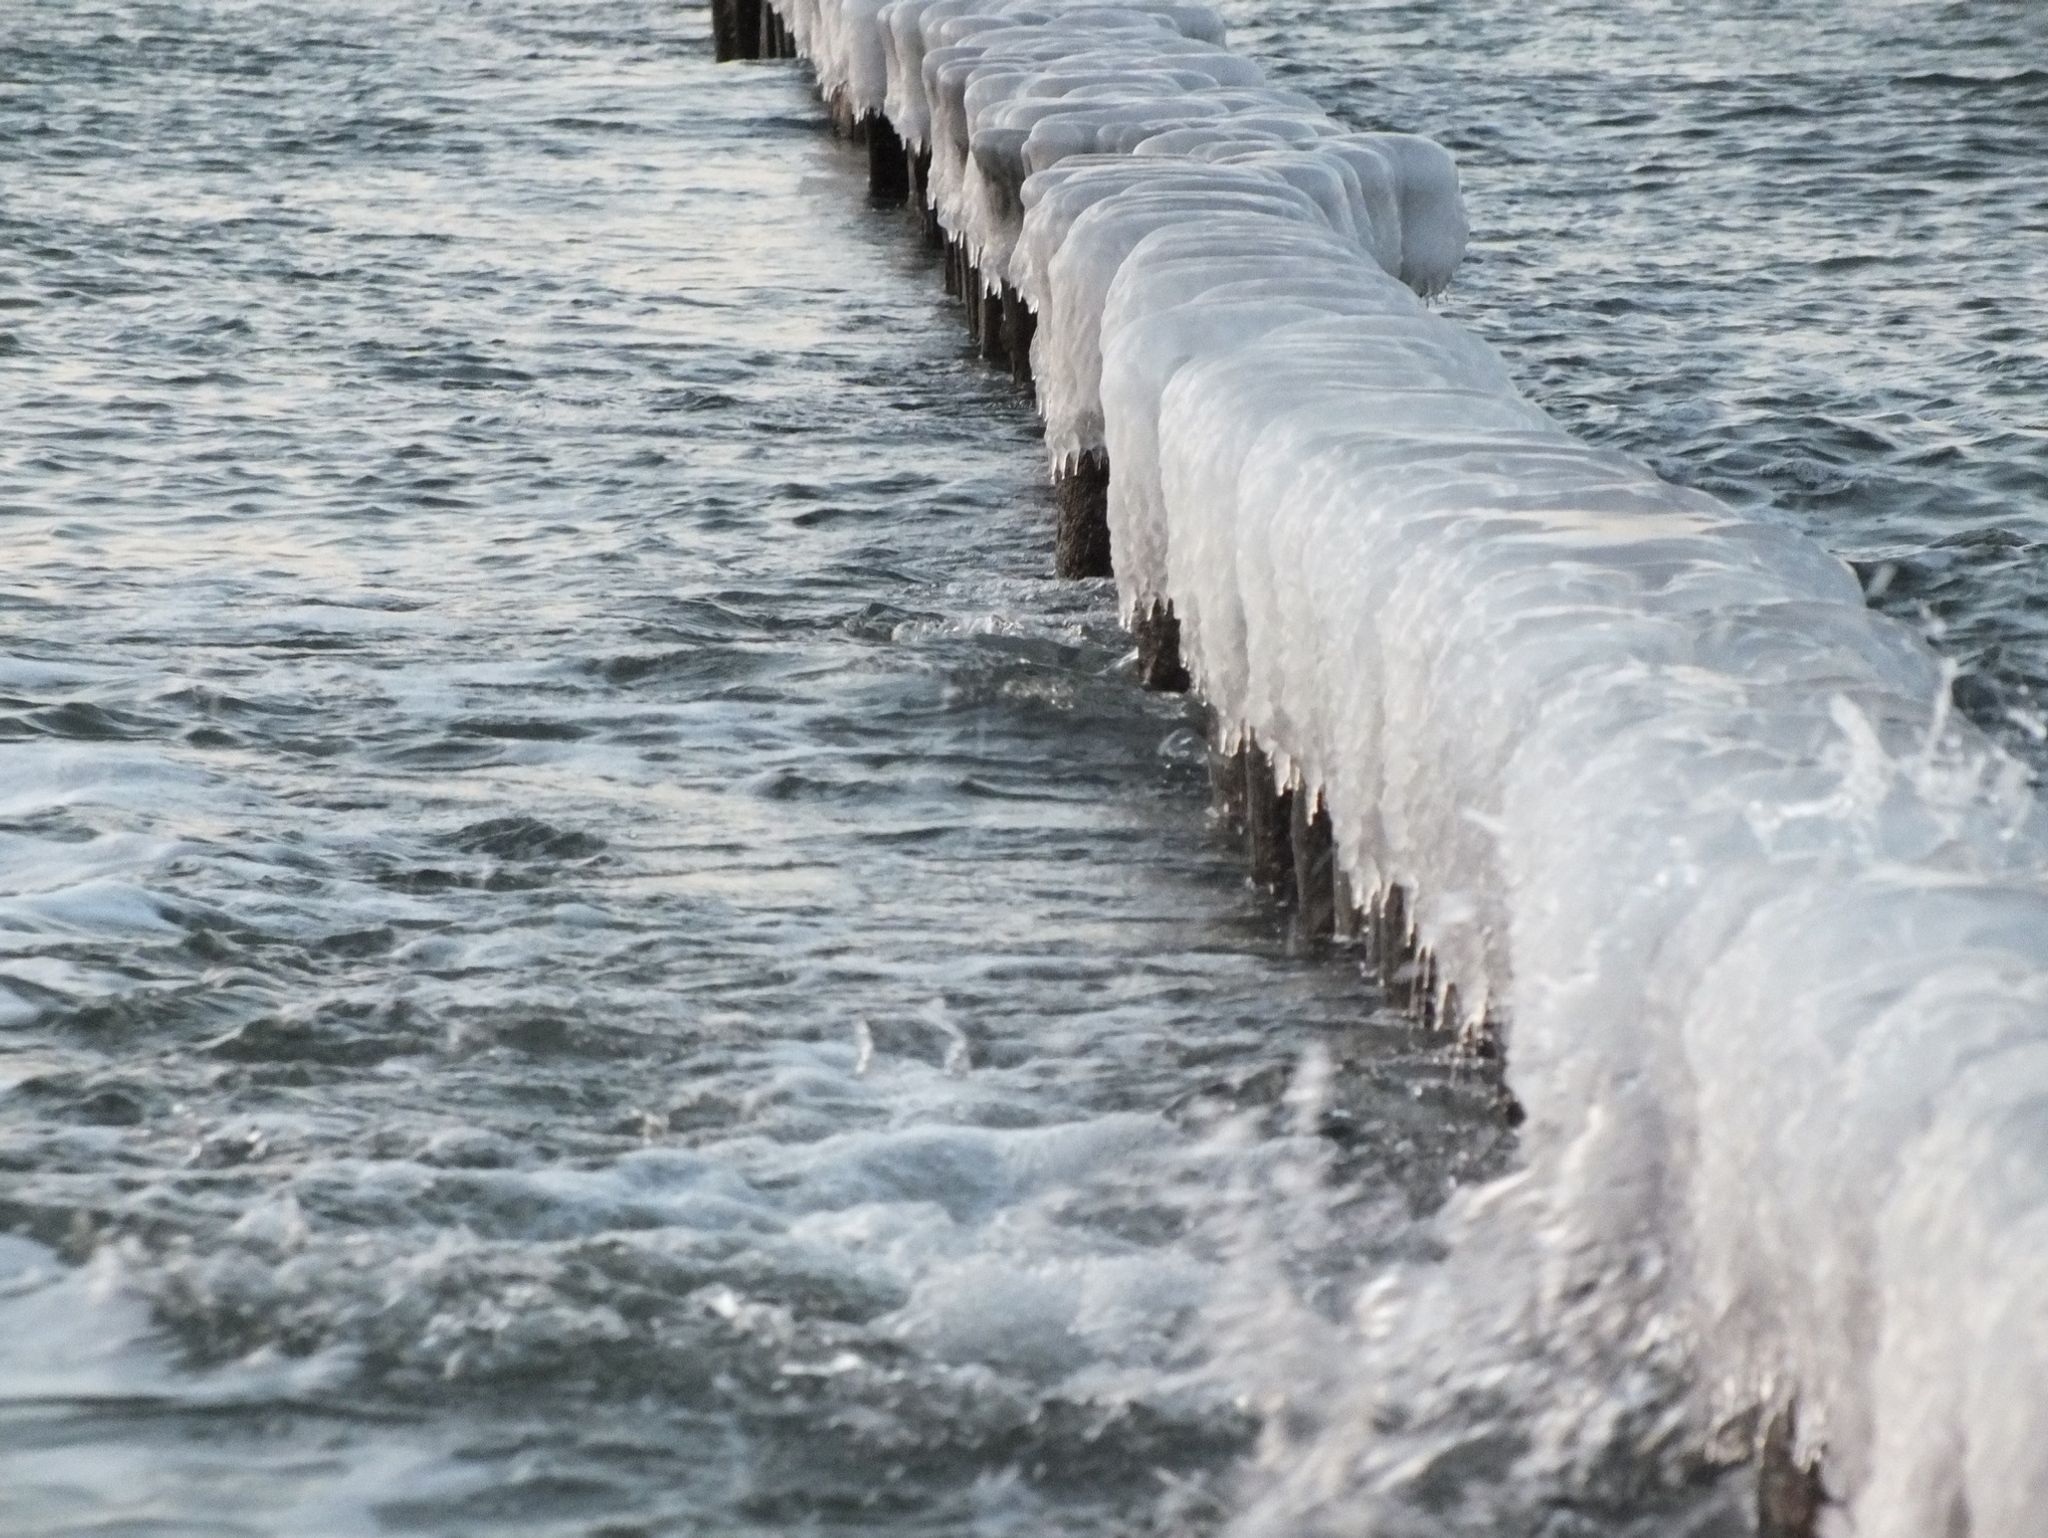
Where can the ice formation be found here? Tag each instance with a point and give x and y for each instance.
(1770, 925)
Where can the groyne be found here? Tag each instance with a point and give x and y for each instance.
(1583, 756)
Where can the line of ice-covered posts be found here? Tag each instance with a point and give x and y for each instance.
(1284, 829)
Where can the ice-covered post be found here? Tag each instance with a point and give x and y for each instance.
(1227, 781)
(1269, 823)
(1019, 326)
(1315, 867)
(1157, 633)
(1789, 1495)
(888, 162)
(1081, 538)
(995, 341)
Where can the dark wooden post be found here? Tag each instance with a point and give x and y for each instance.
(1390, 948)
(1348, 923)
(746, 28)
(1226, 783)
(1269, 825)
(970, 295)
(1315, 867)
(725, 31)
(994, 342)
(1789, 1494)
(1081, 539)
(920, 197)
(1019, 326)
(888, 164)
(1157, 632)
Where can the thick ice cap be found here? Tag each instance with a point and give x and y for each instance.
(1141, 353)
(993, 209)
(1065, 353)
(1433, 227)
(850, 48)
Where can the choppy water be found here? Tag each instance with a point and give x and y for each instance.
(590, 944)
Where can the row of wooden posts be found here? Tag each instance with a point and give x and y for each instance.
(1285, 831)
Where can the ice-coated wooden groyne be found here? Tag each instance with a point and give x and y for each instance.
(1574, 746)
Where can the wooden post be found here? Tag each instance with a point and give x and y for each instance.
(1019, 326)
(1157, 632)
(994, 341)
(746, 28)
(1226, 783)
(888, 164)
(1348, 920)
(920, 197)
(1081, 539)
(1315, 867)
(725, 31)
(1391, 951)
(1269, 825)
(1789, 1494)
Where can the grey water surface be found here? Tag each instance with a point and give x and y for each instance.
(589, 944)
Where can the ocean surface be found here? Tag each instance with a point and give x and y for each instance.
(589, 943)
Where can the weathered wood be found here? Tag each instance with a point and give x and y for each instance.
(1393, 949)
(970, 295)
(1789, 1493)
(1347, 919)
(1226, 783)
(1160, 669)
(1081, 536)
(736, 28)
(995, 342)
(920, 200)
(1269, 825)
(888, 165)
(1315, 867)
(1020, 325)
